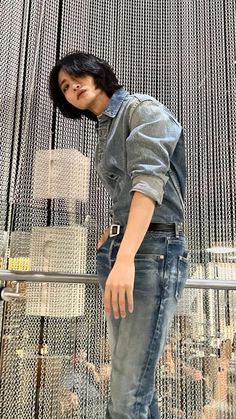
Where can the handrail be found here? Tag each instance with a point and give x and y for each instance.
(20, 276)
(33, 276)
(216, 284)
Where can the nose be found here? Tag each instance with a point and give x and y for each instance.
(76, 86)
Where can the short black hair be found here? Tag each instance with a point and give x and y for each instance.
(81, 63)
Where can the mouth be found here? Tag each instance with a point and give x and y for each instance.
(80, 92)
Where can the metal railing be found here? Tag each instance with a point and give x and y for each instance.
(8, 293)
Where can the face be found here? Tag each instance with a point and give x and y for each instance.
(80, 91)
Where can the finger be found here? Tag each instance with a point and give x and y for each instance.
(107, 300)
(130, 300)
(115, 305)
(121, 299)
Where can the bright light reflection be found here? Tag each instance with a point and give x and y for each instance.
(221, 249)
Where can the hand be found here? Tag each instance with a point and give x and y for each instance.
(73, 398)
(103, 238)
(119, 286)
(194, 374)
(92, 369)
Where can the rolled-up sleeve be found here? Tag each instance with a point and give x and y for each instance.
(150, 145)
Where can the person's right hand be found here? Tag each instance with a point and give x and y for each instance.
(103, 238)
(119, 288)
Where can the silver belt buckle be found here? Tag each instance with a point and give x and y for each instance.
(114, 230)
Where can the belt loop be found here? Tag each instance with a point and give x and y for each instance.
(177, 230)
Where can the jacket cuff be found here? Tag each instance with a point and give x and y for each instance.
(150, 186)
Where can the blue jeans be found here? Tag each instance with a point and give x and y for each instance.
(138, 340)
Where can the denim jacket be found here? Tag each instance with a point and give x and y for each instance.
(141, 148)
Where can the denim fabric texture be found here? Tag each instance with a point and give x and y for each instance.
(138, 340)
(141, 148)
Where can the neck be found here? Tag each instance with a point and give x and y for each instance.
(100, 105)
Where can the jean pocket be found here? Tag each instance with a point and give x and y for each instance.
(149, 256)
(182, 275)
(149, 271)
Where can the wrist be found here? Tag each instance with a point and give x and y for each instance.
(127, 257)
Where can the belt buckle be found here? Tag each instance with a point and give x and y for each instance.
(114, 230)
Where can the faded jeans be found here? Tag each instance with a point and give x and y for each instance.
(137, 341)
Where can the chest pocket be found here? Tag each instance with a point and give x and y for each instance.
(112, 182)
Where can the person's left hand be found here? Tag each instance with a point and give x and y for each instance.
(119, 286)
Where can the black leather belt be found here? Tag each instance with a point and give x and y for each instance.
(176, 228)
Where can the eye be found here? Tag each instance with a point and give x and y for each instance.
(65, 87)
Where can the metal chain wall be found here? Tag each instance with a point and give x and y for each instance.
(182, 53)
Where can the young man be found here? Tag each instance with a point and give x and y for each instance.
(141, 261)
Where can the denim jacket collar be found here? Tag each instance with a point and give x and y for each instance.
(115, 102)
